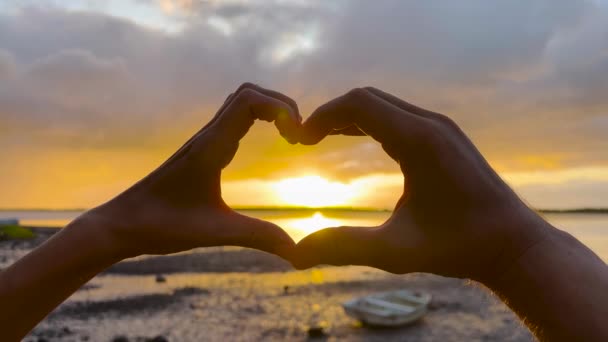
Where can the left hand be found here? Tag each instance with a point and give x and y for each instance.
(179, 205)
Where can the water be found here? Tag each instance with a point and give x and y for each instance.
(591, 229)
(253, 306)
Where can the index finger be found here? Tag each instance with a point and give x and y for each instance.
(375, 116)
(250, 104)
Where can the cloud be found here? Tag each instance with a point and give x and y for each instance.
(523, 78)
(7, 66)
(76, 81)
(171, 6)
(472, 42)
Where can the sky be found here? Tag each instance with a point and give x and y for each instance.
(95, 94)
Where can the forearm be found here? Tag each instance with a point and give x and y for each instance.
(34, 285)
(559, 288)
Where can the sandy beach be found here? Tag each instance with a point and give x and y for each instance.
(237, 294)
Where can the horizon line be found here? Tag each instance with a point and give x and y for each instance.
(330, 208)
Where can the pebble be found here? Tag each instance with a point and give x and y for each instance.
(316, 332)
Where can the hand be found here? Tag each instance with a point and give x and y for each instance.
(456, 216)
(179, 206)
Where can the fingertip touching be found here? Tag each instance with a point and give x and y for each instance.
(324, 120)
(264, 236)
(335, 246)
(249, 104)
(287, 122)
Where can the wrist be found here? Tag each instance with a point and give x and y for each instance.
(519, 235)
(99, 233)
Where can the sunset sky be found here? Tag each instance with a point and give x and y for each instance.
(95, 94)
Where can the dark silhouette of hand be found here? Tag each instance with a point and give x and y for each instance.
(456, 216)
(179, 206)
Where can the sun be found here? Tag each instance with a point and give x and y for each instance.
(313, 191)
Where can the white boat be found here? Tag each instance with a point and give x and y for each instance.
(389, 309)
(9, 222)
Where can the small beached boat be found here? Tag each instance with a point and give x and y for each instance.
(9, 222)
(389, 309)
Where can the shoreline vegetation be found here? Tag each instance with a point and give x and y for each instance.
(325, 209)
(26, 232)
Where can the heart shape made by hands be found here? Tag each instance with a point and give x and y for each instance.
(451, 195)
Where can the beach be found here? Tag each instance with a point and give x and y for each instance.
(239, 294)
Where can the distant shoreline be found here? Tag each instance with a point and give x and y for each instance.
(575, 211)
(328, 209)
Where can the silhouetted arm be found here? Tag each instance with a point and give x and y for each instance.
(34, 285)
(458, 218)
(559, 287)
(175, 208)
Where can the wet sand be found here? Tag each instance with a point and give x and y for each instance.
(236, 294)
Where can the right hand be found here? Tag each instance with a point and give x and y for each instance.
(456, 216)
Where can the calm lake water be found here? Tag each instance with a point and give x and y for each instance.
(591, 229)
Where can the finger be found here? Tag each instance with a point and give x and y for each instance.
(282, 125)
(222, 107)
(350, 130)
(228, 101)
(276, 95)
(234, 122)
(219, 111)
(338, 246)
(288, 132)
(403, 104)
(245, 231)
(373, 115)
(185, 147)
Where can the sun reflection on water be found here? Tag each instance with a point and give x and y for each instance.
(299, 227)
(315, 222)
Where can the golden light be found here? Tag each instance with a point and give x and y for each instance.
(313, 191)
(300, 227)
(315, 222)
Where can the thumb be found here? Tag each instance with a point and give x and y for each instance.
(338, 246)
(250, 232)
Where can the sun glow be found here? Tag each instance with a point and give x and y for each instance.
(312, 224)
(313, 191)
